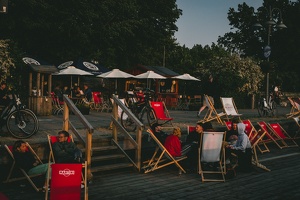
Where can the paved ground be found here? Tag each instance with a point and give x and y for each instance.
(283, 182)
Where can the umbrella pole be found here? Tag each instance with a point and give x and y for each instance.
(116, 85)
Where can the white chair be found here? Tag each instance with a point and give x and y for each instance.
(211, 151)
(230, 108)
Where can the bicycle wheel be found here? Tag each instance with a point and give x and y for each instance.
(274, 110)
(127, 122)
(22, 123)
(261, 108)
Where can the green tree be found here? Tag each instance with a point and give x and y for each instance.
(247, 41)
(114, 33)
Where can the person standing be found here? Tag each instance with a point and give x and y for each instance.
(210, 89)
(87, 93)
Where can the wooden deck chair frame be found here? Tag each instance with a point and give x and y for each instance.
(271, 136)
(255, 141)
(253, 135)
(161, 157)
(212, 141)
(277, 129)
(295, 109)
(162, 114)
(211, 113)
(229, 108)
(297, 120)
(84, 181)
(24, 173)
(51, 138)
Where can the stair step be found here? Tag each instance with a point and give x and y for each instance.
(107, 157)
(103, 148)
(111, 167)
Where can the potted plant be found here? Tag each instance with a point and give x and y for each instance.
(84, 108)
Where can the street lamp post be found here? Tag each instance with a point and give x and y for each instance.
(267, 50)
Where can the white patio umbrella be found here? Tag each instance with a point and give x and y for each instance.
(115, 73)
(186, 77)
(149, 75)
(71, 70)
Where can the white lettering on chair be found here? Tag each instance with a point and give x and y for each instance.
(66, 172)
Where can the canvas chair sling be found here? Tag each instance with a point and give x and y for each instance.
(161, 157)
(10, 177)
(271, 136)
(277, 129)
(253, 135)
(161, 112)
(211, 151)
(211, 113)
(229, 108)
(66, 180)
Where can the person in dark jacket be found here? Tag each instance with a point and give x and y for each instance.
(66, 151)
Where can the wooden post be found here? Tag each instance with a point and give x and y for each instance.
(49, 84)
(38, 83)
(42, 85)
(138, 151)
(88, 154)
(115, 115)
(30, 84)
(66, 118)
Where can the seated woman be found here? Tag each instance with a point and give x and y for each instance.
(173, 144)
(26, 160)
(242, 148)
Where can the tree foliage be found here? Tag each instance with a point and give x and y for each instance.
(114, 33)
(247, 41)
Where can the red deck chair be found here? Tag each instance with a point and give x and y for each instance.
(295, 109)
(51, 140)
(24, 175)
(256, 136)
(270, 136)
(66, 181)
(277, 129)
(57, 104)
(161, 112)
(190, 129)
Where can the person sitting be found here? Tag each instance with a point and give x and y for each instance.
(87, 93)
(173, 144)
(159, 134)
(66, 151)
(25, 160)
(232, 134)
(58, 92)
(242, 148)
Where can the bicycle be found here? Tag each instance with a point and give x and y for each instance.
(265, 108)
(20, 122)
(142, 110)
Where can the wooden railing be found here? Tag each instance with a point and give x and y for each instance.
(137, 143)
(67, 124)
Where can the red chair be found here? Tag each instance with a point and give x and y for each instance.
(271, 136)
(161, 112)
(190, 129)
(277, 129)
(51, 140)
(97, 101)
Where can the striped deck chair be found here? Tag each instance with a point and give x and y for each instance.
(211, 151)
(276, 128)
(211, 113)
(270, 136)
(162, 159)
(229, 108)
